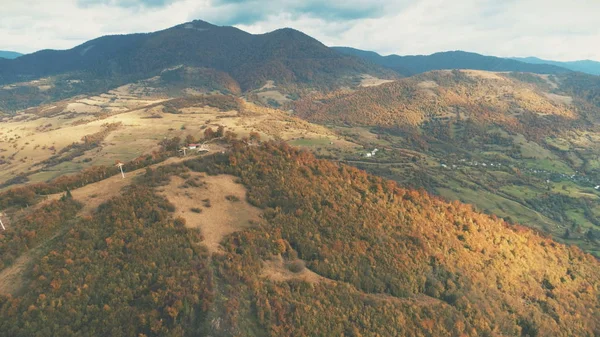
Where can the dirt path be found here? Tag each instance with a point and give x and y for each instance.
(217, 206)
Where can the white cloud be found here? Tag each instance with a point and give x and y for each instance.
(554, 29)
(561, 31)
(29, 25)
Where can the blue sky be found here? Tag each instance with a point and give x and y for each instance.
(553, 29)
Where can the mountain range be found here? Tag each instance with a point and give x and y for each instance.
(584, 66)
(9, 54)
(411, 65)
(230, 58)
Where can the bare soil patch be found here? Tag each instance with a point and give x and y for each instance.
(371, 81)
(273, 95)
(560, 99)
(279, 270)
(483, 74)
(269, 85)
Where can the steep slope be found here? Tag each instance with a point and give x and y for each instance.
(584, 66)
(285, 56)
(9, 54)
(416, 64)
(384, 261)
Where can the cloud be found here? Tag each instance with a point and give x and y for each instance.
(125, 3)
(545, 28)
(246, 12)
(549, 29)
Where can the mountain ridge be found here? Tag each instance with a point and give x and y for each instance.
(285, 55)
(9, 54)
(585, 66)
(415, 64)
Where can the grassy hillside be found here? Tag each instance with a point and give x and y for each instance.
(129, 122)
(517, 145)
(337, 252)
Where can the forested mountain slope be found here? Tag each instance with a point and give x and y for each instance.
(388, 261)
(285, 56)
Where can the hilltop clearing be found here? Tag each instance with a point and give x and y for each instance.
(216, 205)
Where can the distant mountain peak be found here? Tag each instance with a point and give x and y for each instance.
(290, 33)
(9, 54)
(198, 24)
(584, 66)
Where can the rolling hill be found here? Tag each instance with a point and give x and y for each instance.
(334, 252)
(584, 66)
(9, 54)
(285, 56)
(416, 64)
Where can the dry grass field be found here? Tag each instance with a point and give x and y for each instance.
(216, 205)
(33, 136)
(371, 81)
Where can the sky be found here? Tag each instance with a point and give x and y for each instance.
(552, 29)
